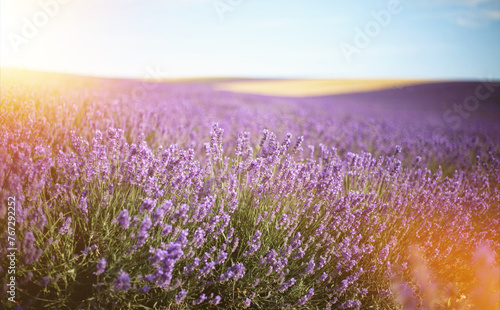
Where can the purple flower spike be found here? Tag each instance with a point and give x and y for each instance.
(180, 296)
(306, 298)
(216, 300)
(44, 282)
(101, 266)
(123, 281)
(123, 219)
(247, 302)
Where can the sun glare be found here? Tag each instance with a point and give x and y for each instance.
(31, 34)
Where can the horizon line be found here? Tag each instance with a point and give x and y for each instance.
(215, 77)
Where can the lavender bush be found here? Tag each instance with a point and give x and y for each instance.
(193, 198)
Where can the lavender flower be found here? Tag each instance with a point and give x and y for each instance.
(44, 282)
(101, 266)
(199, 237)
(83, 205)
(254, 244)
(65, 228)
(164, 261)
(123, 219)
(310, 267)
(122, 281)
(287, 285)
(200, 300)
(167, 229)
(143, 234)
(306, 298)
(247, 302)
(180, 296)
(215, 301)
(148, 205)
(236, 271)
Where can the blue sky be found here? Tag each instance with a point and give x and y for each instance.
(440, 39)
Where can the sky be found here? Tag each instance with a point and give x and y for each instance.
(438, 39)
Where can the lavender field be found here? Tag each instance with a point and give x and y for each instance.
(177, 195)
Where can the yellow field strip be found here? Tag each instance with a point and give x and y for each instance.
(305, 88)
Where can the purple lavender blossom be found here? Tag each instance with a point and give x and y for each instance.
(179, 297)
(101, 266)
(65, 228)
(350, 304)
(200, 299)
(236, 271)
(31, 253)
(384, 254)
(207, 269)
(215, 301)
(83, 206)
(287, 285)
(247, 302)
(310, 267)
(181, 213)
(122, 281)
(182, 239)
(147, 205)
(199, 237)
(254, 244)
(89, 249)
(135, 221)
(143, 234)
(123, 219)
(167, 229)
(189, 269)
(157, 216)
(145, 289)
(306, 298)
(44, 282)
(164, 261)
